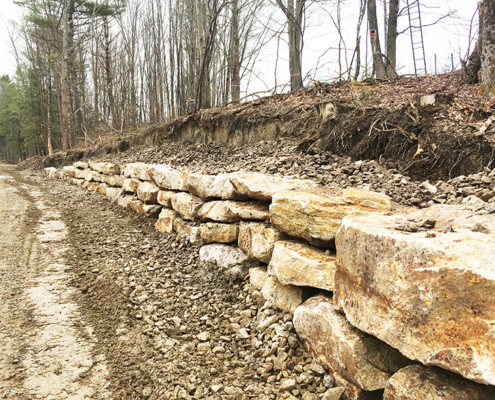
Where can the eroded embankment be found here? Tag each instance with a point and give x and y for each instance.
(373, 287)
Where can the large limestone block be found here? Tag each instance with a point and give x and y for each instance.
(102, 188)
(182, 227)
(264, 187)
(124, 201)
(92, 186)
(285, 297)
(137, 171)
(131, 185)
(148, 210)
(59, 174)
(258, 277)
(148, 193)
(429, 294)
(81, 165)
(113, 180)
(187, 205)
(50, 172)
(316, 218)
(219, 233)
(295, 263)
(94, 176)
(165, 198)
(360, 359)
(165, 222)
(258, 240)
(76, 173)
(221, 187)
(418, 382)
(168, 178)
(230, 259)
(113, 193)
(77, 182)
(232, 211)
(198, 184)
(105, 168)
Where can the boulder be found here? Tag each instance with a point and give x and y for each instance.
(360, 359)
(76, 173)
(195, 235)
(418, 382)
(230, 259)
(257, 240)
(113, 193)
(59, 174)
(429, 294)
(352, 392)
(81, 165)
(187, 205)
(92, 186)
(264, 187)
(296, 263)
(105, 168)
(102, 188)
(50, 172)
(148, 210)
(284, 297)
(77, 182)
(123, 201)
(258, 277)
(165, 222)
(198, 184)
(137, 171)
(182, 227)
(113, 180)
(221, 187)
(131, 185)
(316, 219)
(219, 233)
(165, 198)
(168, 178)
(233, 211)
(94, 176)
(148, 193)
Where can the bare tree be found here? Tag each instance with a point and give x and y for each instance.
(488, 46)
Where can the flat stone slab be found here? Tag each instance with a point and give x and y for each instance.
(219, 233)
(148, 210)
(131, 185)
(113, 180)
(296, 263)
(418, 382)
(105, 168)
(187, 205)
(76, 173)
(233, 211)
(429, 294)
(198, 185)
(221, 187)
(148, 193)
(230, 259)
(167, 177)
(137, 171)
(81, 165)
(165, 222)
(360, 359)
(258, 240)
(263, 187)
(284, 297)
(317, 219)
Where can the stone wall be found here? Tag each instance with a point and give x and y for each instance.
(376, 290)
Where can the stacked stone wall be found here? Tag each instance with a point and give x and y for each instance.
(381, 295)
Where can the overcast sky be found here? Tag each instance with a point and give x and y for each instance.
(450, 36)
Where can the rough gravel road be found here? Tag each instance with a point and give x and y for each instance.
(46, 352)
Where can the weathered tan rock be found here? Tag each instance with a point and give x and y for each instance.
(148, 193)
(131, 185)
(137, 171)
(105, 168)
(92, 186)
(221, 187)
(258, 277)
(352, 392)
(365, 198)
(102, 188)
(233, 211)
(182, 227)
(113, 193)
(59, 174)
(187, 205)
(219, 233)
(315, 218)
(285, 297)
(333, 394)
(165, 198)
(360, 359)
(165, 222)
(77, 182)
(429, 294)
(81, 165)
(198, 184)
(230, 259)
(296, 263)
(195, 235)
(168, 178)
(50, 172)
(257, 240)
(124, 201)
(113, 180)
(264, 187)
(149, 210)
(94, 176)
(418, 382)
(76, 173)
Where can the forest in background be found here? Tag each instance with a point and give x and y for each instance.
(89, 68)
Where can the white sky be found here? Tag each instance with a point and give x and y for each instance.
(450, 36)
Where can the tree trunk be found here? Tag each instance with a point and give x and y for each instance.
(64, 84)
(378, 64)
(108, 69)
(48, 112)
(362, 10)
(488, 51)
(203, 100)
(235, 54)
(391, 61)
